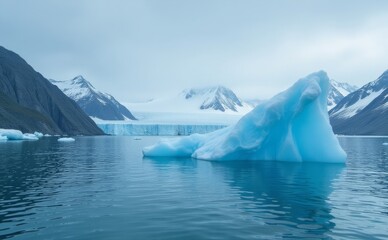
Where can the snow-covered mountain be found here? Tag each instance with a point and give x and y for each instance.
(337, 92)
(216, 99)
(95, 103)
(364, 111)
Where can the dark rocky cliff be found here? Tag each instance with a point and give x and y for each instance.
(29, 102)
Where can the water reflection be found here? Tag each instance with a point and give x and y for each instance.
(102, 185)
(290, 199)
(26, 172)
(165, 163)
(290, 194)
(369, 163)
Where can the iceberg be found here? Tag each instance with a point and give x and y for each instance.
(11, 134)
(292, 126)
(66, 139)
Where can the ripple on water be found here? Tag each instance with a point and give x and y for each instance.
(102, 188)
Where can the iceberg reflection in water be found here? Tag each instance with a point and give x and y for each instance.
(281, 199)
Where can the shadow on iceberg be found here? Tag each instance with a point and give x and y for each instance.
(292, 126)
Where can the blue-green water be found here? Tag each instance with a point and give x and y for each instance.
(102, 188)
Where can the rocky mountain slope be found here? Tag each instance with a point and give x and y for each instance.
(29, 102)
(363, 112)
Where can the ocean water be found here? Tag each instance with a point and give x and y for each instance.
(102, 188)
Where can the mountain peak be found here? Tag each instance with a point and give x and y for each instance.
(338, 90)
(383, 77)
(216, 97)
(93, 102)
(80, 77)
(81, 82)
(188, 93)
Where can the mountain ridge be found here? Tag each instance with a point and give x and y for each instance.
(365, 111)
(337, 92)
(216, 99)
(95, 103)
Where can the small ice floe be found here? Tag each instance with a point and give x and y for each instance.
(30, 136)
(137, 139)
(38, 134)
(47, 135)
(385, 144)
(3, 138)
(66, 139)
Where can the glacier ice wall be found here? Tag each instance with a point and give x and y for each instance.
(292, 126)
(127, 129)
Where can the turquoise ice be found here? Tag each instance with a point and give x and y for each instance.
(292, 126)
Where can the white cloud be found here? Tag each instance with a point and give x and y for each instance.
(145, 49)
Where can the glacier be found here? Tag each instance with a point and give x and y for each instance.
(129, 129)
(292, 126)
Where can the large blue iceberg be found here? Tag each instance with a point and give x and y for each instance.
(292, 126)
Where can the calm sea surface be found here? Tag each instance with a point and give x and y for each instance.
(103, 188)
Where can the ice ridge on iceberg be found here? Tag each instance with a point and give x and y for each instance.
(292, 126)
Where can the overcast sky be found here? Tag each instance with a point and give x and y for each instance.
(137, 50)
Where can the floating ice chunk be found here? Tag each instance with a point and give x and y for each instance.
(47, 135)
(385, 144)
(3, 138)
(30, 136)
(11, 134)
(38, 134)
(292, 126)
(66, 139)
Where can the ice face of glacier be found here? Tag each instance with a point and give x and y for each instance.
(292, 126)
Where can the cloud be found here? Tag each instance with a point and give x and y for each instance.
(144, 49)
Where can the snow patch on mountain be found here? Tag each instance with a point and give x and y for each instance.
(353, 109)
